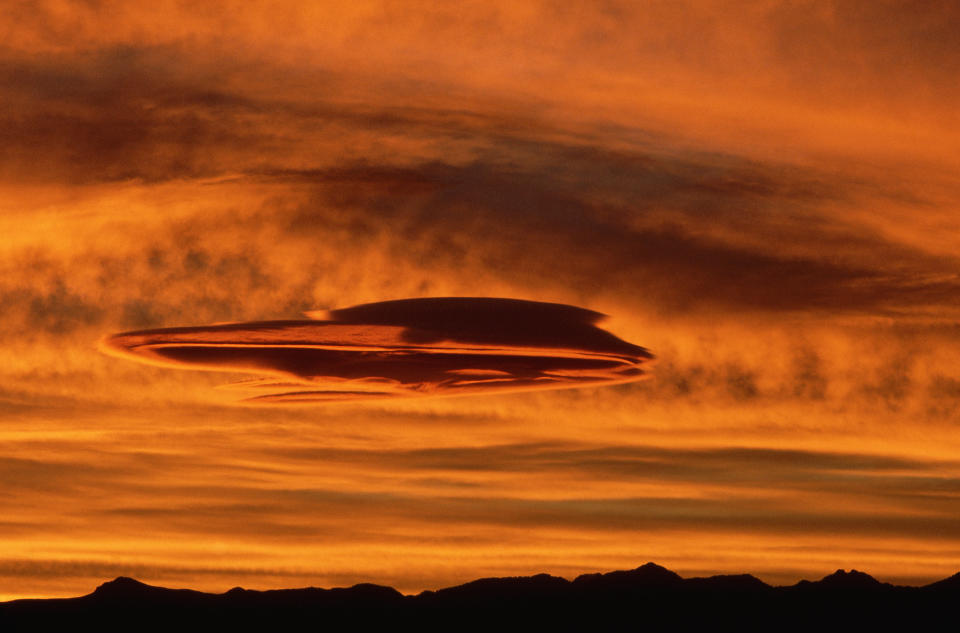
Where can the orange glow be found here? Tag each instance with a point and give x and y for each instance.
(767, 200)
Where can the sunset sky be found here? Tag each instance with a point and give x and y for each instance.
(763, 193)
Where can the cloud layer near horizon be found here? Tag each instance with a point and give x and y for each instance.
(767, 200)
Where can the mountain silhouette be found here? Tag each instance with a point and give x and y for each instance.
(650, 575)
(841, 579)
(648, 597)
(122, 588)
(947, 584)
(726, 583)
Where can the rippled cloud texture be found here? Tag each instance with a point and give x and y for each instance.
(764, 193)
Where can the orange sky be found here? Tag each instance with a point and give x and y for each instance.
(763, 193)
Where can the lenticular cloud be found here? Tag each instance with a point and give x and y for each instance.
(405, 348)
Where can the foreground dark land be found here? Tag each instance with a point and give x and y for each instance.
(649, 597)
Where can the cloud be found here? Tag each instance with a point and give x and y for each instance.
(438, 346)
(678, 233)
(691, 226)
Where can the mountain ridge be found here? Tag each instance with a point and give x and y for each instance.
(647, 575)
(660, 595)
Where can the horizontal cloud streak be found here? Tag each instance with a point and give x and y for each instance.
(275, 502)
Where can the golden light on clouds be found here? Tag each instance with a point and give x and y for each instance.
(765, 196)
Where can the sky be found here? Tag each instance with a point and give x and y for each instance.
(764, 194)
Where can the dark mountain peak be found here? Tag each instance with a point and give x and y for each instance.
(852, 579)
(122, 586)
(843, 580)
(508, 586)
(653, 570)
(367, 590)
(128, 590)
(235, 591)
(728, 582)
(648, 575)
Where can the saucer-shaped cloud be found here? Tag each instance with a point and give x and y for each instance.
(410, 347)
